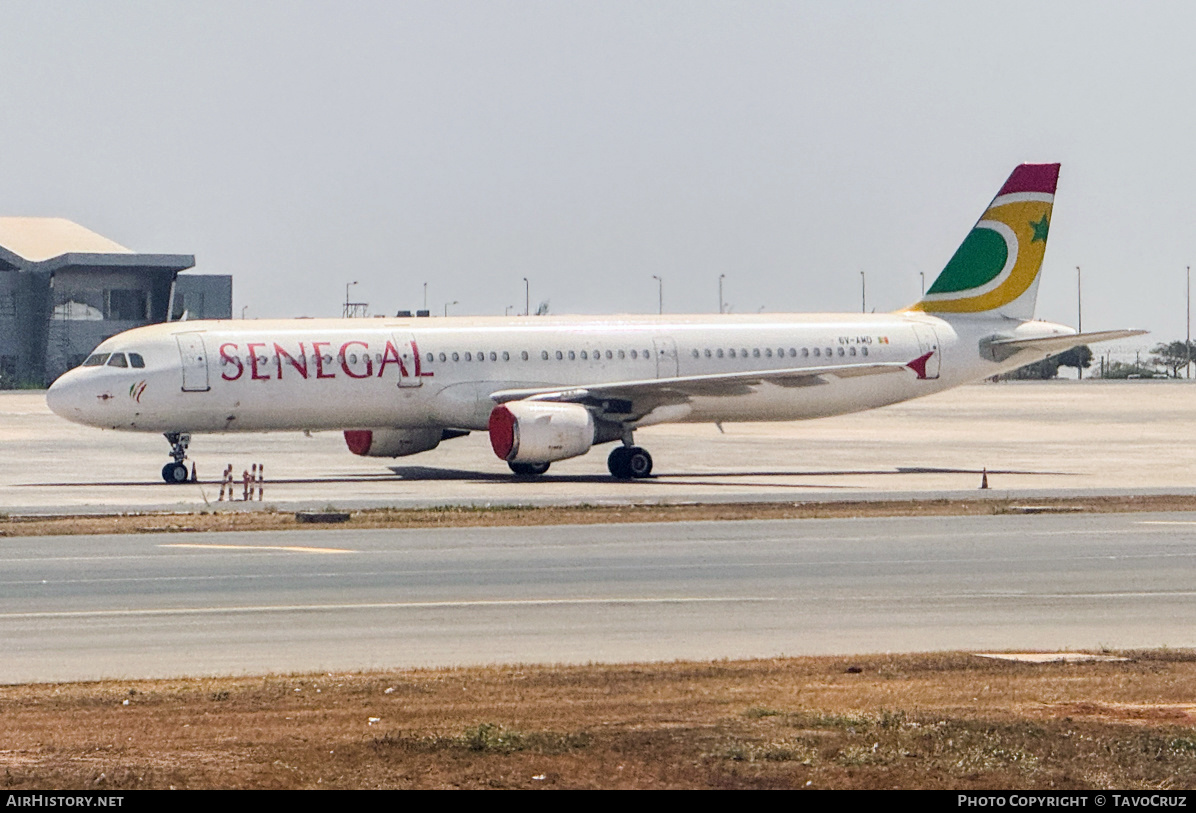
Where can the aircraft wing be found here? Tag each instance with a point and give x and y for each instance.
(1002, 349)
(638, 398)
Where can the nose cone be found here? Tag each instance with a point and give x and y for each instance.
(65, 397)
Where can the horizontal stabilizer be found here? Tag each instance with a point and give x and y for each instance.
(1001, 349)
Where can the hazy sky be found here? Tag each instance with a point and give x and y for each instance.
(587, 146)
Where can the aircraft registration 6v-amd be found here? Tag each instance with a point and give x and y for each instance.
(549, 388)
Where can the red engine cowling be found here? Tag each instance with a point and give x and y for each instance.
(540, 431)
(391, 442)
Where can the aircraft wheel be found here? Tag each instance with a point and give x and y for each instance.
(617, 463)
(528, 469)
(639, 462)
(175, 473)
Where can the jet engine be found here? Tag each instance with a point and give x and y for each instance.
(391, 442)
(540, 431)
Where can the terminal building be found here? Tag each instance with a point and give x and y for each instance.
(64, 289)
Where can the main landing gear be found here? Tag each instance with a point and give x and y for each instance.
(626, 462)
(176, 472)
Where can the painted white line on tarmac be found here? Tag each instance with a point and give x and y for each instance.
(288, 548)
(398, 605)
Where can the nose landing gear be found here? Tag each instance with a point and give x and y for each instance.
(176, 472)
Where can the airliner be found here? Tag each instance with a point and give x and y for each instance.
(549, 388)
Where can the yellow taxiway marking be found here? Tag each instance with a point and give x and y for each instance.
(289, 548)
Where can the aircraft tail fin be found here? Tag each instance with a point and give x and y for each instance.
(995, 270)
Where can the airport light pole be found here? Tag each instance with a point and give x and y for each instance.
(1079, 316)
(347, 287)
(1188, 335)
(446, 306)
(922, 274)
(659, 292)
(721, 277)
(863, 293)
(425, 296)
(527, 297)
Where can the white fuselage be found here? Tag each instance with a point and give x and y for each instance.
(309, 374)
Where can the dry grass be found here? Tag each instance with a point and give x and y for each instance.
(934, 721)
(463, 516)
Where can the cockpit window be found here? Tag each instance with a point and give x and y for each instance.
(136, 360)
(96, 360)
(117, 360)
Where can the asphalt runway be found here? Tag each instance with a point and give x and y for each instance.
(147, 605)
(1033, 438)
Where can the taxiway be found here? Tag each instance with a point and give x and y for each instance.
(1049, 437)
(151, 605)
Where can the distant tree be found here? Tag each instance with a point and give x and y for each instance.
(1078, 357)
(1173, 355)
(1043, 370)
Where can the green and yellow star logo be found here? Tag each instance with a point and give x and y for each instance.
(1040, 229)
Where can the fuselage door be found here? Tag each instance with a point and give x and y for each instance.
(412, 367)
(666, 357)
(928, 342)
(195, 362)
